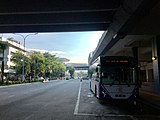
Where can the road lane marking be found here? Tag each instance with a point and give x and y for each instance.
(109, 115)
(28, 117)
(11, 96)
(88, 114)
(78, 100)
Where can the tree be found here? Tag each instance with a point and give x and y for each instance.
(49, 64)
(17, 59)
(91, 71)
(71, 70)
(50, 56)
(37, 64)
(62, 69)
(52, 66)
(3, 46)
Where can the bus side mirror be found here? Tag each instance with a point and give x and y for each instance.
(96, 69)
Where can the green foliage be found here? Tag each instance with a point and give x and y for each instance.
(38, 64)
(8, 82)
(3, 46)
(71, 70)
(91, 71)
(17, 59)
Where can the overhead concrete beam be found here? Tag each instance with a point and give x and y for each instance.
(123, 20)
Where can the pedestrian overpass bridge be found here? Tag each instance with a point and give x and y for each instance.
(81, 67)
(78, 66)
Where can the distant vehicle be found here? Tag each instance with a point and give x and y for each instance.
(41, 79)
(85, 78)
(114, 77)
(67, 77)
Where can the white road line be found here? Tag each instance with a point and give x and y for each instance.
(28, 117)
(87, 114)
(78, 100)
(11, 96)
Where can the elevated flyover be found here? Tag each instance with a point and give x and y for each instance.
(56, 15)
(135, 32)
(134, 21)
(81, 67)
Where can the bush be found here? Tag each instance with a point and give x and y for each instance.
(17, 82)
(8, 82)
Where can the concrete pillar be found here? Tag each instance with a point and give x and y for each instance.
(146, 75)
(156, 63)
(135, 55)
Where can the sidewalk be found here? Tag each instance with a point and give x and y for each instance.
(14, 85)
(149, 98)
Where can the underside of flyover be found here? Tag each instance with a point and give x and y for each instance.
(56, 15)
(127, 24)
(135, 31)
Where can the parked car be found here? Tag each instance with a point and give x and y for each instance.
(67, 77)
(41, 79)
(85, 78)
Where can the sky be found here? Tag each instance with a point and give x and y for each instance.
(74, 46)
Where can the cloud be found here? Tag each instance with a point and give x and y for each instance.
(78, 60)
(51, 52)
(73, 59)
(58, 52)
(38, 50)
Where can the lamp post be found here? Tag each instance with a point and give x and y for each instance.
(24, 43)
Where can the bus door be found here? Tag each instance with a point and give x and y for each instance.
(95, 82)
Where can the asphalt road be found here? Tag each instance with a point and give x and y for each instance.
(63, 100)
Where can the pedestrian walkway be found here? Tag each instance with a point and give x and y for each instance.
(150, 98)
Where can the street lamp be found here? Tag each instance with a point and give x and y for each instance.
(24, 43)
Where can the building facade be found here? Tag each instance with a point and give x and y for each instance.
(13, 47)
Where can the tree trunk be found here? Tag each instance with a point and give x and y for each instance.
(2, 69)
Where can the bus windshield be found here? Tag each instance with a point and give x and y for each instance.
(118, 75)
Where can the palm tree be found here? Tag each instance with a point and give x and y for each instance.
(3, 46)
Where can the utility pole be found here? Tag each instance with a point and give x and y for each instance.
(24, 42)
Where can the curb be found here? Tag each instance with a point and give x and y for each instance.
(14, 85)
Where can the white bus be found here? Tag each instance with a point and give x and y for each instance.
(114, 77)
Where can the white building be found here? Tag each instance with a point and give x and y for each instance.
(13, 47)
